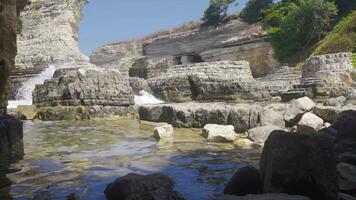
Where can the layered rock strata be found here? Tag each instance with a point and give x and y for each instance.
(49, 35)
(83, 93)
(233, 41)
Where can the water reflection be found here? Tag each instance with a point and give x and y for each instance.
(81, 158)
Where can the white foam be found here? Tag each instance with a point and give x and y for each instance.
(144, 98)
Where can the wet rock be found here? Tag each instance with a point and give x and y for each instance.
(301, 164)
(347, 176)
(246, 180)
(11, 132)
(271, 117)
(297, 108)
(310, 123)
(219, 133)
(264, 197)
(244, 117)
(29, 112)
(348, 157)
(346, 125)
(151, 113)
(139, 187)
(163, 132)
(260, 134)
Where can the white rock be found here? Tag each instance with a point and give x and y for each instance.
(219, 133)
(163, 132)
(310, 123)
(271, 117)
(297, 108)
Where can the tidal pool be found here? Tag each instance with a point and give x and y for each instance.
(81, 158)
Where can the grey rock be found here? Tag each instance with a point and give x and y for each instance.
(343, 196)
(310, 123)
(11, 132)
(246, 180)
(260, 134)
(327, 113)
(338, 101)
(219, 133)
(297, 108)
(285, 167)
(271, 117)
(244, 117)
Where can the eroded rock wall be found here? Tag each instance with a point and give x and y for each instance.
(233, 41)
(49, 35)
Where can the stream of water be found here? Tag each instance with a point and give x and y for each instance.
(83, 157)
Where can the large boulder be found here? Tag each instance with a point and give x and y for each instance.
(297, 108)
(347, 174)
(327, 113)
(139, 187)
(300, 164)
(244, 117)
(163, 132)
(271, 117)
(246, 180)
(260, 134)
(310, 123)
(219, 133)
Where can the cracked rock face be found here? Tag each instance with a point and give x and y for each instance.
(49, 35)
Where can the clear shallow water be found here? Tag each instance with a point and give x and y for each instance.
(83, 157)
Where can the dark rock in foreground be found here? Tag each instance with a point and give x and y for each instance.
(139, 187)
(246, 180)
(264, 197)
(11, 132)
(300, 164)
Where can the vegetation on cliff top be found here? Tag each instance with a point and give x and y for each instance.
(341, 39)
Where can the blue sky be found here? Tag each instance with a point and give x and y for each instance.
(107, 21)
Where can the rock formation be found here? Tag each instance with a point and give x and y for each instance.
(233, 41)
(48, 35)
(10, 129)
(84, 93)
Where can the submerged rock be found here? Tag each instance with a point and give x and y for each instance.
(139, 187)
(301, 164)
(163, 132)
(246, 180)
(219, 133)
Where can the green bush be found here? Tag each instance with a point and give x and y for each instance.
(277, 13)
(341, 39)
(303, 27)
(354, 60)
(253, 10)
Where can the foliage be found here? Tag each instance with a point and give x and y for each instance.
(216, 12)
(304, 26)
(37, 4)
(253, 10)
(341, 39)
(354, 59)
(277, 13)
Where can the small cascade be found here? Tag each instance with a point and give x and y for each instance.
(24, 93)
(144, 98)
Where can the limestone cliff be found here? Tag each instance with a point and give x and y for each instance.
(49, 35)
(233, 41)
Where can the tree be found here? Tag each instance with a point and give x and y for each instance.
(274, 15)
(216, 12)
(253, 10)
(306, 25)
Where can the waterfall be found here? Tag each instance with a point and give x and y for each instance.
(146, 98)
